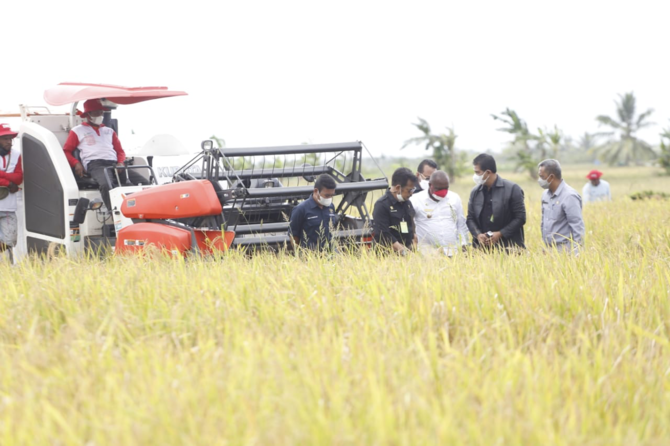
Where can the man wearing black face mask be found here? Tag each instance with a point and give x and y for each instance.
(99, 147)
(496, 209)
(312, 220)
(393, 214)
(11, 175)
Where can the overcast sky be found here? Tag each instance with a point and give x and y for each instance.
(286, 72)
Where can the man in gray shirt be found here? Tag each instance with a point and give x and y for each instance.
(562, 222)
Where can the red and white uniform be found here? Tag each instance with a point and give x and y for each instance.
(93, 144)
(10, 171)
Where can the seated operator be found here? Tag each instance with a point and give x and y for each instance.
(99, 147)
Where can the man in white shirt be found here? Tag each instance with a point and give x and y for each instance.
(440, 221)
(596, 189)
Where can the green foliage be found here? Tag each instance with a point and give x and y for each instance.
(220, 142)
(624, 146)
(664, 157)
(443, 146)
(649, 195)
(529, 149)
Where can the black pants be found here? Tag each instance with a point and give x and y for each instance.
(96, 169)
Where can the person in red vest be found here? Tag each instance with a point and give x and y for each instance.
(99, 147)
(11, 175)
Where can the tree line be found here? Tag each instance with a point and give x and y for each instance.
(617, 144)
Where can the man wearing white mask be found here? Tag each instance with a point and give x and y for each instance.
(312, 220)
(496, 209)
(393, 214)
(440, 222)
(99, 147)
(562, 222)
(423, 173)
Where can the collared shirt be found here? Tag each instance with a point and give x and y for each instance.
(94, 144)
(312, 223)
(393, 221)
(486, 216)
(439, 223)
(562, 216)
(601, 192)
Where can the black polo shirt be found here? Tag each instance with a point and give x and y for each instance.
(312, 223)
(389, 218)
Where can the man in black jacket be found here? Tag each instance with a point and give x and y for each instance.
(496, 209)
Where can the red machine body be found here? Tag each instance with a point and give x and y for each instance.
(181, 200)
(176, 200)
(136, 237)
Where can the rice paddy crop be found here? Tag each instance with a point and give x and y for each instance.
(538, 348)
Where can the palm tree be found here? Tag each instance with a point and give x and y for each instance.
(624, 146)
(552, 138)
(443, 146)
(525, 145)
(664, 158)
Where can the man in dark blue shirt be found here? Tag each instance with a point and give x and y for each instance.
(312, 220)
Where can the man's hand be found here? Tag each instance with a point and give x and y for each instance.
(13, 188)
(495, 238)
(120, 165)
(483, 239)
(79, 170)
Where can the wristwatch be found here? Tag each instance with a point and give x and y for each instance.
(489, 234)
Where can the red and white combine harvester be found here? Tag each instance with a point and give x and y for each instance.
(219, 198)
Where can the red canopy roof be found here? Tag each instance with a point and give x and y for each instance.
(70, 92)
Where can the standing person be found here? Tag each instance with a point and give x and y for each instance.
(393, 214)
(496, 208)
(596, 189)
(423, 173)
(311, 220)
(99, 147)
(440, 221)
(562, 223)
(11, 175)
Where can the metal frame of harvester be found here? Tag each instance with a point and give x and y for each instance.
(264, 184)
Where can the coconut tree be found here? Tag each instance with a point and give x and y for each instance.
(624, 146)
(664, 158)
(528, 149)
(443, 146)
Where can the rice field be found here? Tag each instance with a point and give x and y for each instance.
(352, 349)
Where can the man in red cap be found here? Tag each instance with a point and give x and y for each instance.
(596, 189)
(11, 175)
(99, 147)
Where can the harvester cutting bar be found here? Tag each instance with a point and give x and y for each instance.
(284, 240)
(305, 191)
(250, 174)
(294, 150)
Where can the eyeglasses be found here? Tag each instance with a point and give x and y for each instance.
(411, 191)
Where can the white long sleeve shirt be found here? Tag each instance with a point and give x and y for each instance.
(440, 223)
(601, 192)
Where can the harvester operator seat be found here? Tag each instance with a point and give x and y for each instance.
(85, 182)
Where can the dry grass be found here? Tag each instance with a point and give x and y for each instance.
(534, 349)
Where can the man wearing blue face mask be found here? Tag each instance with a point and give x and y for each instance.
(496, 209)
(312, 220)
(562, 222)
